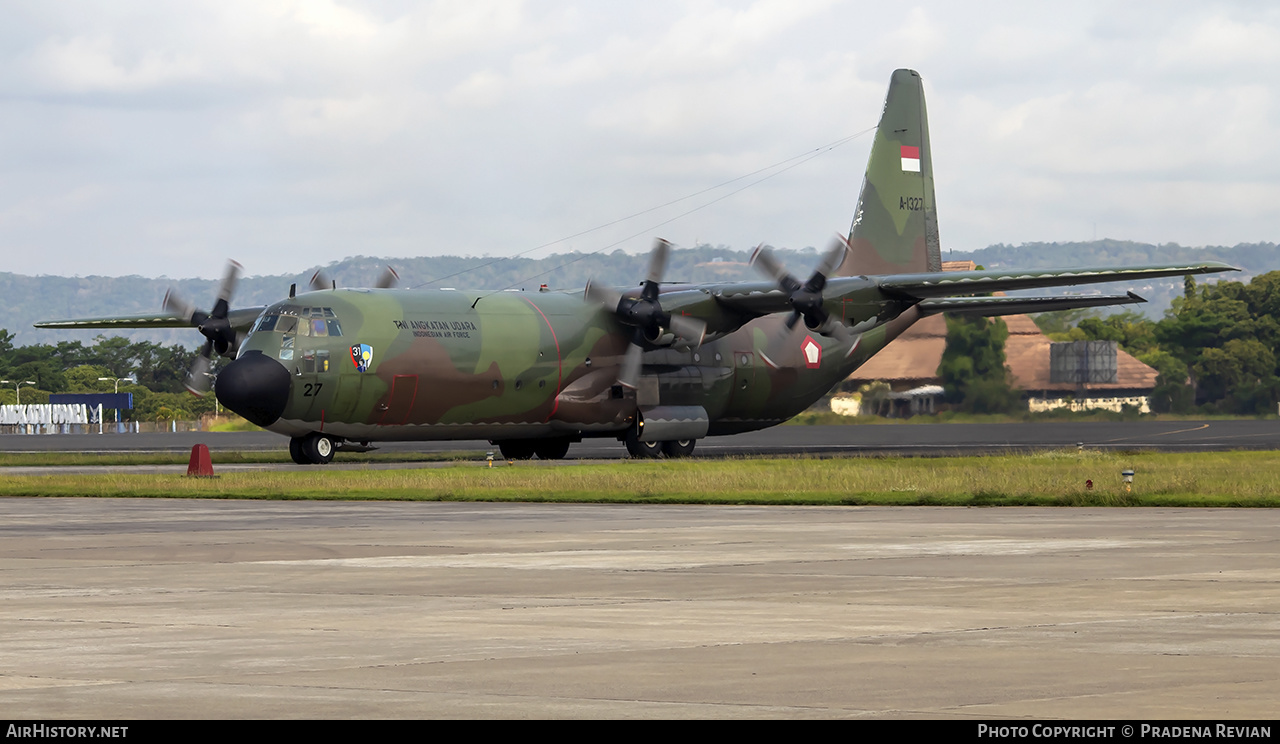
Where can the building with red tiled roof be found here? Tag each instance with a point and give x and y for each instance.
(911, 361)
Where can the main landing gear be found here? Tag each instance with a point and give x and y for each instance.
(525, 449)
(313, 449)
(650, 450)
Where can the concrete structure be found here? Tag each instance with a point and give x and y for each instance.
(186, 608)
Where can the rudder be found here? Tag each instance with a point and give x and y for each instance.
(895, 229)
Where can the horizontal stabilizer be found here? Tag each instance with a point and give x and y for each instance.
(1019, 305)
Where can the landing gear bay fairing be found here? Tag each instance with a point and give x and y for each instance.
(656, 367)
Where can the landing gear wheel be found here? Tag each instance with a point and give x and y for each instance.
(551, 449)
(297, 451)
(678, 447)
(642, 450)
(318, 448)
(517, 449)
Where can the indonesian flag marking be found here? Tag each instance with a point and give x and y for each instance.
(910, 159)
(812, 353)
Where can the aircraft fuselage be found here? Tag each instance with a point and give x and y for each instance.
(373, 365)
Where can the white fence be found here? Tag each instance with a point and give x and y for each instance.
(49, 413)
(77, 418)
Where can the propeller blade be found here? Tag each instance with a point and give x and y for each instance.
(658, 261)
(175, 304)
(607, 297)
(213, 325)
(198, 377)
(645, 315)
(837, 330)
(805, 299)
(690, 330)
(832, 258)
(228, 285)
(629, 376)
(764, 260)
(389, 279)
(319, 281)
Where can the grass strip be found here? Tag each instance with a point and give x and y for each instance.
(241, 457)
(1228, 479)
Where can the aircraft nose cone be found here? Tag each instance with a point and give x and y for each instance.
(254, 386)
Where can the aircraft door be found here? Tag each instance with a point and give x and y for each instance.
(404, 391)
(744, 381)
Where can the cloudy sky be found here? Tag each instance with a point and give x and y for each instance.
(161, 138)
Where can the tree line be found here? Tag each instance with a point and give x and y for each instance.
(1214, 350)
(157, 374)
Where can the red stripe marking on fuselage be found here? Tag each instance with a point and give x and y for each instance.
(559, 371)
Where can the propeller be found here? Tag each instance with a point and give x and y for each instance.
(805, 299)
(320, 280)
(213, 325)
(389, 279)
(646, 315)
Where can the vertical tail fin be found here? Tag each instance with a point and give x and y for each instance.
(895, 229)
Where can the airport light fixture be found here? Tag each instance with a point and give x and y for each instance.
(17, 387)
(117, 380)
(130, 378)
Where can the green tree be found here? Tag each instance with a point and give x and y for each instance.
(1226, 335)
(1172, 393)
(1133, 331)
(84, 379)
(1062, 322)
(973, 370)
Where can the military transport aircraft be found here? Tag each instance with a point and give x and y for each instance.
(658, 367)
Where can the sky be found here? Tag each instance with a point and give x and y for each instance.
(161, 139)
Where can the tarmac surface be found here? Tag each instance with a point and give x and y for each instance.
(132, 608)
(877, 439)
(124, 608)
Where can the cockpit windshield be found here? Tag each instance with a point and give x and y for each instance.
(303, 321)
(293, 323)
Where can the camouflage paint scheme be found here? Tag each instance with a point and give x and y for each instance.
(524, 367)
(529, 365)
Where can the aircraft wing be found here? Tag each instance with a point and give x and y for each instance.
(950, 283)
(241, 319)
(727, 307)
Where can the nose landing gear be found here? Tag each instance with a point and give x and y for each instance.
(312, 449)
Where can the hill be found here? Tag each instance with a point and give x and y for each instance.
(26, 299)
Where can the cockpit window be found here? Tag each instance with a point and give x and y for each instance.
(315, 361)
(304, 321)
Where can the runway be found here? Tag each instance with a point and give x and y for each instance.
(878, 439)
(130, 608)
